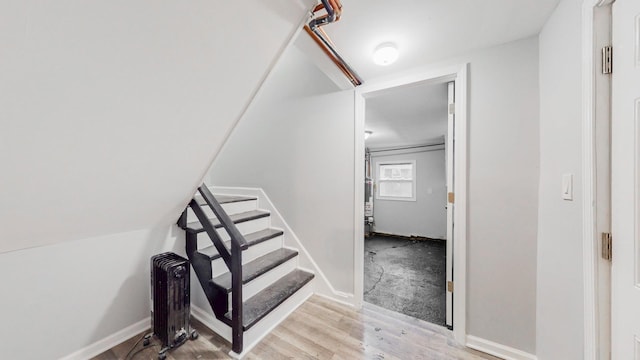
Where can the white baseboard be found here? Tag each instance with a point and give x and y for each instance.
(279, 315)
(498, 350)
(110, 341)
(254, 335)
(323, 285)
(210, 321)
(344, 299)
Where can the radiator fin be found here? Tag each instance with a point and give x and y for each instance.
(170, 295)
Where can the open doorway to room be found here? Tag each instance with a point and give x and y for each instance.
(405, 245)
(455, 77)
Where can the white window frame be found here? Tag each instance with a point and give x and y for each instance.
(413, 180)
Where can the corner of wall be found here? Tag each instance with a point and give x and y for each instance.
(323, 286)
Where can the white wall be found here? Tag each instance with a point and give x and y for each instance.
(299, 148)
(427, 216)
(503, 194)
(60, 298)
(112, 111)
(559, 301)
(294, 142)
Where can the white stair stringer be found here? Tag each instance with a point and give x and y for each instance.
(322, 285)
(244, 228)
(258, 284)
(218, 266)
(230, 208)
(253, 336)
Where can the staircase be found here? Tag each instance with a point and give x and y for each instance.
(241, 263)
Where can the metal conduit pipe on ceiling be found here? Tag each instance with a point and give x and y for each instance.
(334, 11)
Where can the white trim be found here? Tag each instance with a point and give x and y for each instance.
(349, 304)
(589, 265)
(358, 198)
(591, 257)
(499, 350)
(378, 179)
(275, 317)
(457, 73)
(110, 341)
(448, 152)
(275, 324)
(210, 321)
(460, 186)
(264, 202)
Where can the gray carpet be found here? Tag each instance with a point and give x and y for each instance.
(407, 276)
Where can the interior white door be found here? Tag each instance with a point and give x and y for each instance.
(450, 173)
(625, 181)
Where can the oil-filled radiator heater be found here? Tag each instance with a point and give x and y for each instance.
(170, 295)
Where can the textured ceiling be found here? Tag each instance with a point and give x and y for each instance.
(425, 31)
(431, 30)
(407, 115)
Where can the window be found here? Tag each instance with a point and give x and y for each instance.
(396, 180)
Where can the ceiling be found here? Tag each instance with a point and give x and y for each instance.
(408, 115)
(431, 30)
(425, 31)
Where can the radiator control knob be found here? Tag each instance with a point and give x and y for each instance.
(179, 272)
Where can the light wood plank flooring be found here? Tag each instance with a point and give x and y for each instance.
(323, 329)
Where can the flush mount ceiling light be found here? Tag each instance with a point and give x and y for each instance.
(367, 133)
(385, 54)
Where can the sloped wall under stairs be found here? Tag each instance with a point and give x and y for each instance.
(112, 111)
(110, 114)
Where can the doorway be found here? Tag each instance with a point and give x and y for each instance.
(401, 178)
(405, 260)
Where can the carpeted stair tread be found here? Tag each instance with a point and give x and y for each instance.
(255, 268)
(196, 226)
(260, 305)
(252, 239)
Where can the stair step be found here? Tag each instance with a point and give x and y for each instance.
(195, 227)
(230, 204)
(257, 267)
(227, 199)
(260, 305)
(252, 239)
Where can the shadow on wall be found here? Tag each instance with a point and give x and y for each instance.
(132, 301)
(281, 7)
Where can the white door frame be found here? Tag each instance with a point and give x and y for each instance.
(592, 90)
(457, 73)
(450, 161)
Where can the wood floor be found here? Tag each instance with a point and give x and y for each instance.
(323, 329)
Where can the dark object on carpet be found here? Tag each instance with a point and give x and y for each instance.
(401, 237)
(407, 276)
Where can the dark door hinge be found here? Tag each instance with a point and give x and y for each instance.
(607, 60)
(607, 246)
